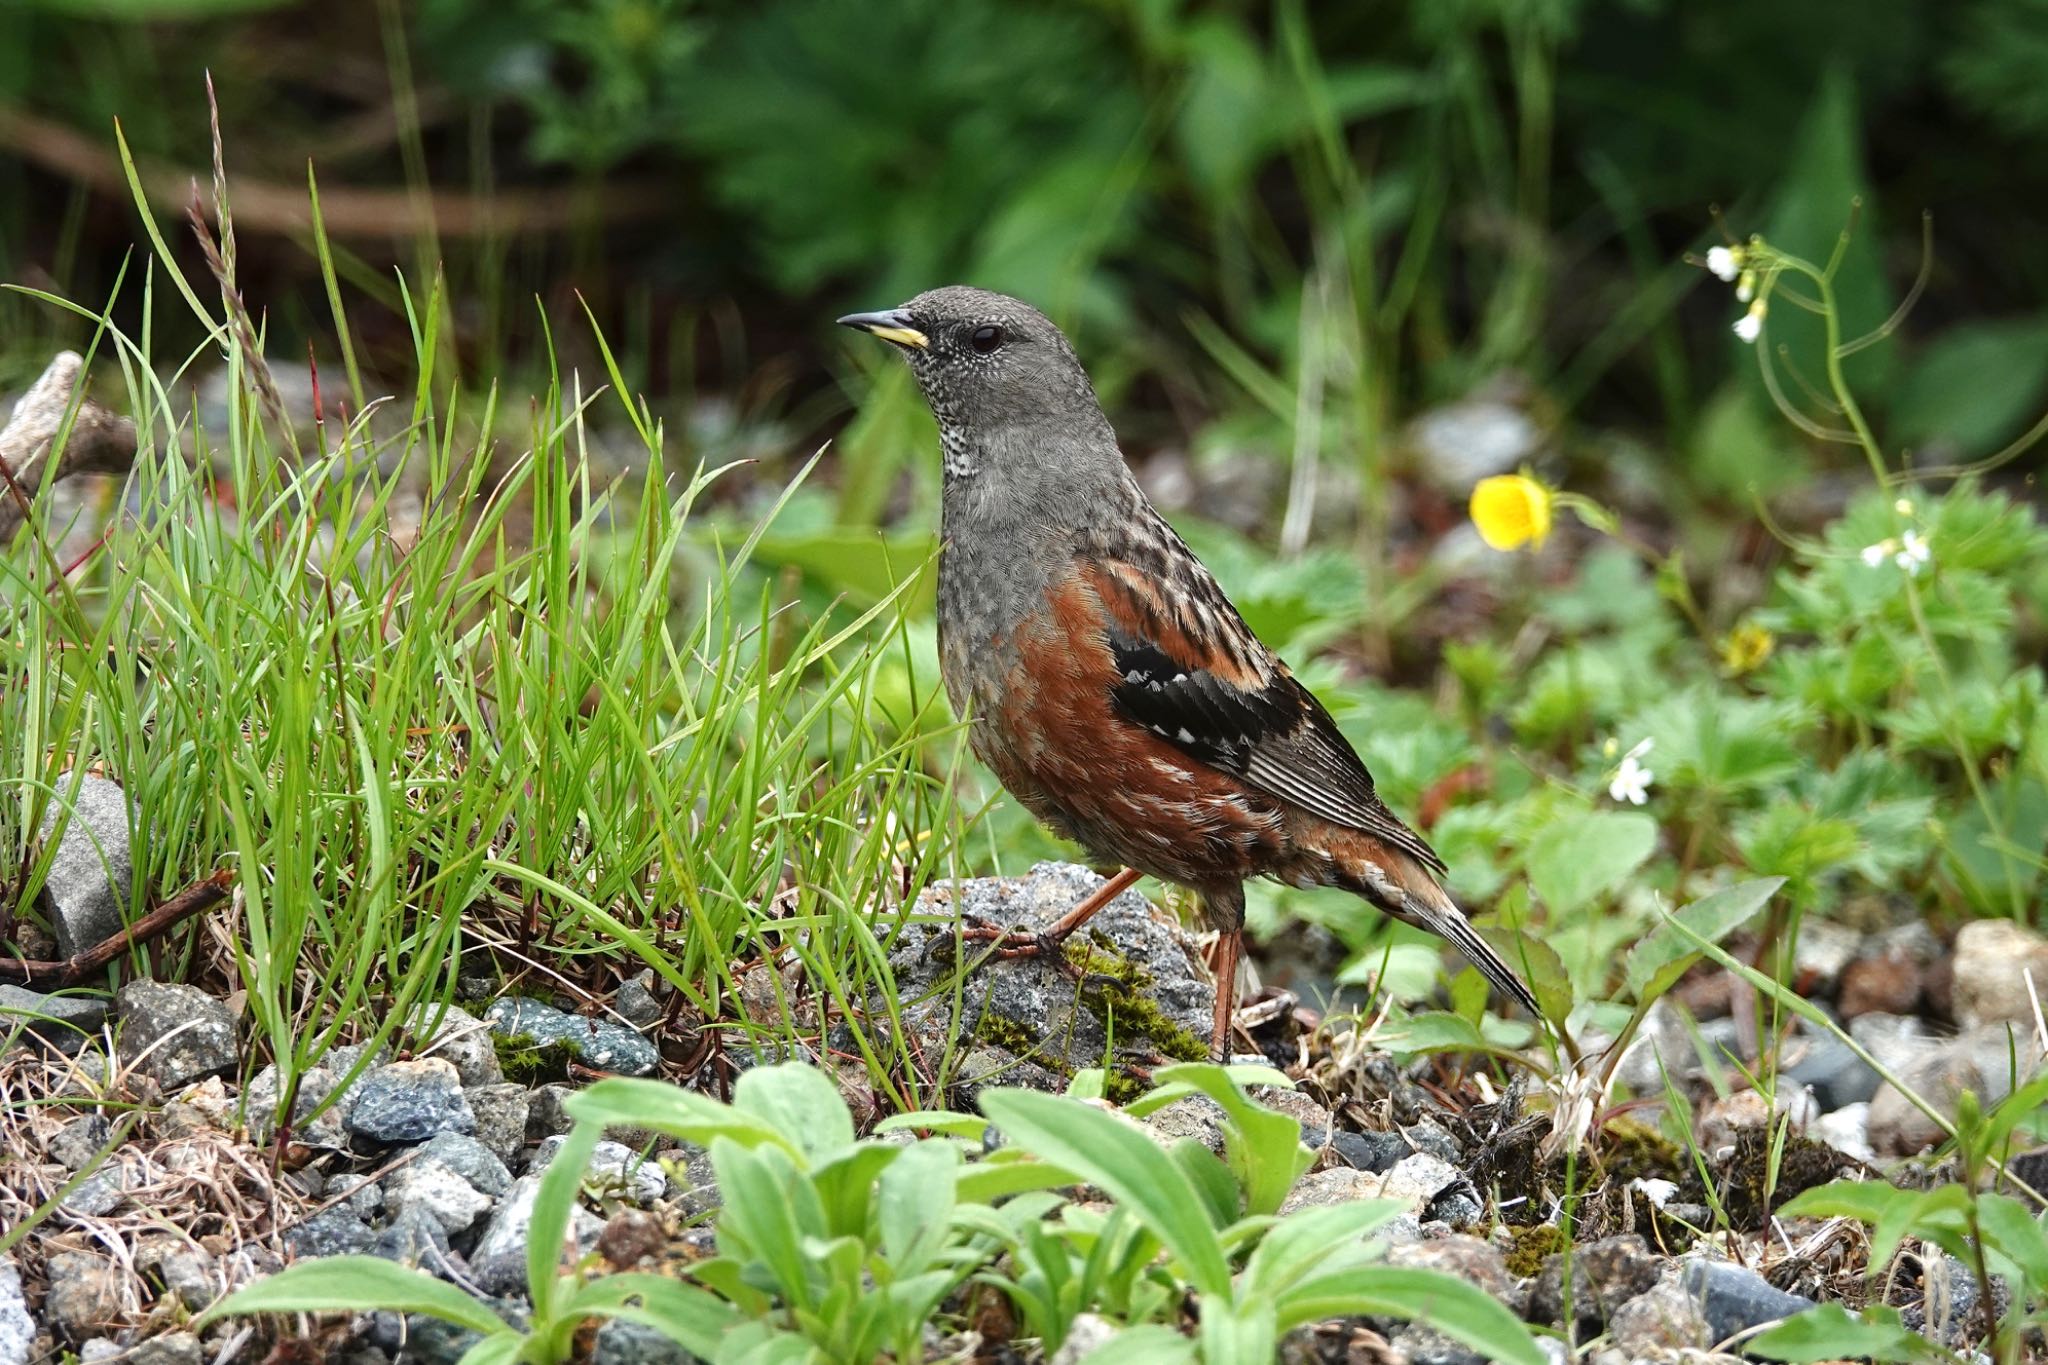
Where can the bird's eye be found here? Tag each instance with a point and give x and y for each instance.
(985, 339)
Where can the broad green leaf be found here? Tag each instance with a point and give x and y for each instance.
(800, 1103)
(1663, 955)
(1584, 856)
(1243, 1330)
(1540, 967)
(1975, 386)
(1124, 1162)
(770, 1212)
(914, 1204)
(1832, 1332)
(858, 562)
(2014, 1231)
(1263, 1145)
(970, 1126)
(1221, 1194)
(554, 1204)
(1306, 1241)
(1459, 1310)
(501, 1348)
(359, 1284)
(626, 1102)
(1151, 1344)
(691, 1318)
(845, 1185)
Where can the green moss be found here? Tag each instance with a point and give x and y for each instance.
(1636, 1151)
(1531, 1245)
(527, 1060)
(1113, 987)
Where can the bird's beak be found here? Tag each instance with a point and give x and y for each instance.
(893, 325)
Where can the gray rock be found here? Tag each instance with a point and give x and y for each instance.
(983, 1065)
(1661, 1321)
(598, 1043)
(78, 1141)
(170, 1348)
(1461, 443)
(327, 1128)
(1994, 958)
(1087, 1333)
(1469, 1259)
(1947, 1310)
(1847, 1130)
(1894, 1039)
(1733, 1298)
(471, 1159)
(1316, 1122)
(635, 1001)
(86, 895)
(436, 1191)
(1980, 1061)
(414, 1237)
(631, 1343)
(1196, 1116)
(1836, 1074)
(501, 1115)
(98, 1194)
(546, 1112)
(465, 1040)
(692, 1184)
(84, 1294)
(1605, 1275)
(174, 1034)
(615, 1170)
(188, 1276)
(102, 1351)
(1419, 1344)
(1825, 950)
(410, 1102)
(335, 1232)
(59, 1023)
(1374, 1152)
(417, 1339)
(498, 1264)
(1034, 1008)
(17, 1329)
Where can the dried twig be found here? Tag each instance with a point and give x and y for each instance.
(359, 212)
(99, 442)
(199, 896)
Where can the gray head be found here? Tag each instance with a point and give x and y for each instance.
(997, 374)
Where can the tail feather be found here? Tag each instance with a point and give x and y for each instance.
(1404, 889)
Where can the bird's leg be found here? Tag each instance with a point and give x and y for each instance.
(1048, 944)
(1229, 947)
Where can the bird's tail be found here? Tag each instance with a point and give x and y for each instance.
(1397, 884)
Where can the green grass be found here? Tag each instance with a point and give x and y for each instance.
(447, 696)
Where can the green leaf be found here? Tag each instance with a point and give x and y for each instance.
(620, 1101)
(845, 1186)
(914, 1204)
(770, 1214)
(1240, 1330)
(1459, 1310)
(2013, 1231)
(691, 1318)
(859, 563)
(1263, 1146)
(1122, 1161)
(1662, 956)
(362, 1284)
(1975, 387)
(800, 1103)
(1151, 1344)
(554, 1204)
(1586, 855)
(1306, 1242)
(1832, 1332)
(969, 1126)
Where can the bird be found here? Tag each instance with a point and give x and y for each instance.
(1107, 681)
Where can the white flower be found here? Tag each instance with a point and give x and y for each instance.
(1874, 555)
(1750, 325)
(1904, 507)
(1913, 554)
(1658, 1192)
(1632, 780)
(1723, 263)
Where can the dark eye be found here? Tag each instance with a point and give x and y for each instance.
(985, 339)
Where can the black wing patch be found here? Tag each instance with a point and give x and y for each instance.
(1278, 738)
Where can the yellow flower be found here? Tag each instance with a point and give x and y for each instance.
(1511, 510)
(1745, 648)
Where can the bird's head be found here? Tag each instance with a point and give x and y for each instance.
(990, 366)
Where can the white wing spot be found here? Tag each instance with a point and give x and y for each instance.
(1185, 737)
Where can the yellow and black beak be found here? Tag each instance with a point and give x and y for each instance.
(894, 325)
